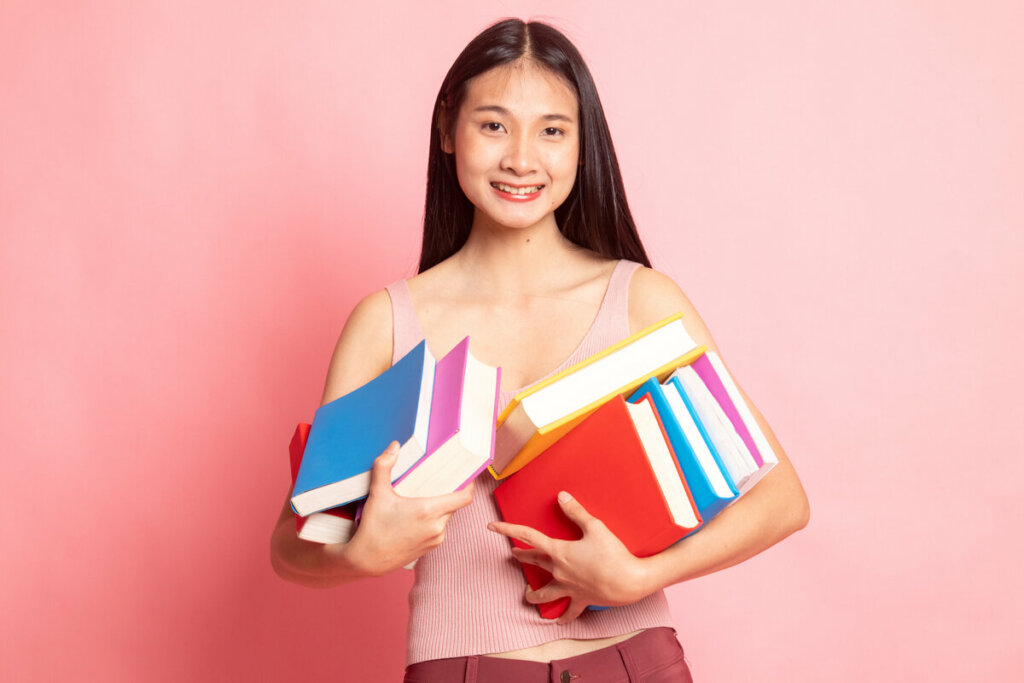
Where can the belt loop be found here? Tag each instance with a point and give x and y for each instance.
(627, 661)
(472, 663)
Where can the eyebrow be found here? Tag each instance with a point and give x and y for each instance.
(505, 112)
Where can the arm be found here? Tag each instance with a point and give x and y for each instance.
(598, 569)
(393, 530)
(765, 515)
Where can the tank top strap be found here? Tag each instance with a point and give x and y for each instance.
(612, 322)
(406, 331)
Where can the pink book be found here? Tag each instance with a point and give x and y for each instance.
(710, 368)
(460, 439)
(713, 382)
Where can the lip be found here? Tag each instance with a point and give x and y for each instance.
(519, 198)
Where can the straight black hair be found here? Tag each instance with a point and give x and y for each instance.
(595, 215)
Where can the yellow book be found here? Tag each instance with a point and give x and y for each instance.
(539, 416)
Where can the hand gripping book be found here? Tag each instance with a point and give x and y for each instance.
(335, 525)
(537, 417)
(619, 465)
(350, 432)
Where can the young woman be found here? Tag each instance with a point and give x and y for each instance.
(530, 249)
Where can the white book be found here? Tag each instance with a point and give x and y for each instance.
(734, 453)
(539, 416)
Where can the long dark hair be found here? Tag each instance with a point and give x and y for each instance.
(595, 215)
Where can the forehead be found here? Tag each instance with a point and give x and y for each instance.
(523, 88)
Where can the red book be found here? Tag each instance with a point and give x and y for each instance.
(618, 463)
(335, 525)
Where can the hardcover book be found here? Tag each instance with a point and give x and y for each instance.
(619, 464)
(710, 485)
(537, 417)
(720, 383)
(335, 525)
(460, 441)
(350, 432)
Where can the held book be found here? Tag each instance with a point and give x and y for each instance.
(720, 383)
(720, 431)
(460, 441)
(537, 417)
(348, 433)
(335, 525)
(705, 475)
(619, 465)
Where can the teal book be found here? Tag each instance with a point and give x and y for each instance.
(709, 483)
(350, 432)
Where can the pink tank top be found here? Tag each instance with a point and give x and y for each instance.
(467, 598)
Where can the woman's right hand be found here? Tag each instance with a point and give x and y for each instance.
(394, 530)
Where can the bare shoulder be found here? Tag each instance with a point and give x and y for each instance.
(364, 347)
(653, 296)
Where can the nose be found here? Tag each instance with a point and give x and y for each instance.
(520, 156)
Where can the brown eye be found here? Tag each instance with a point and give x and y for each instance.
(493, 127)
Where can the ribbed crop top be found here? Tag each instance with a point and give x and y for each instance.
(467, 597)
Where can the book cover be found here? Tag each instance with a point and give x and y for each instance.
(350, 432)
(540, 415)
(604, 464)
(335, 525)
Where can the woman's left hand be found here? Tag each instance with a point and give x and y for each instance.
(595, 570)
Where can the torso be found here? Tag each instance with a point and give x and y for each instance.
(503, 330)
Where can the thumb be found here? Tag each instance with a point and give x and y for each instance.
(574, 510)
(380, 475)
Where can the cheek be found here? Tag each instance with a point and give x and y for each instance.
(567, 165)
(470, 159)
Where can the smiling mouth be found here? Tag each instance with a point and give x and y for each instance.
(529, 189)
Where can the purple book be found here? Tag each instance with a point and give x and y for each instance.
(706, 371)
(460, 439)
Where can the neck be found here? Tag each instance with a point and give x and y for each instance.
(513, 262)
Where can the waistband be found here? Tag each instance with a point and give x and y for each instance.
(635, 657)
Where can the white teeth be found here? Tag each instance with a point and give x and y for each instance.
(517, 190)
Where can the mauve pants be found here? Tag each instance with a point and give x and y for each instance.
(653, 656)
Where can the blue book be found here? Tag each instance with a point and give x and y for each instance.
(350, 432)
(709, 482)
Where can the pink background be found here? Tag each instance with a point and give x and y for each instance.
(193, 197)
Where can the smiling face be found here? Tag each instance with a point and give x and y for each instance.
(516, 144)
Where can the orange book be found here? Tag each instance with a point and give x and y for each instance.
(544, 413)
(618, 463)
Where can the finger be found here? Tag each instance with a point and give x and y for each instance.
(534, 557)
(572, 612)
(549, 592)
(447, 503)
(380, 474)
(574, 510)
(525, 534)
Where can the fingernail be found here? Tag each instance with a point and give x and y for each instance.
(564, 497)
(490, 525)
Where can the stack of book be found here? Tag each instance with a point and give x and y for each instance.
(651, 436)
(442, 413)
